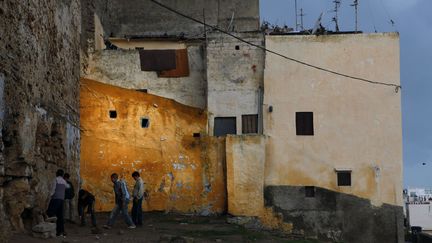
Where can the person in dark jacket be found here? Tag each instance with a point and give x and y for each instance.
(86, 200)
(69, 195)
(55, 208)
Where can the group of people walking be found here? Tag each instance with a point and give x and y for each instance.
(62, 192)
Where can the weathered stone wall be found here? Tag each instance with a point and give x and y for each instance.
(144, 18)
(234, 76)
(183, 173)
(39, 87)
(122, 68)
(335, 217)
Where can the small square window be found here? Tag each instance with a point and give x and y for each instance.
(309, 191)
(113, 114)
(224, 126)
(196, 134)
(304, 123)
(249, 124)
(237, 47)
(344, 178)
(145, 122)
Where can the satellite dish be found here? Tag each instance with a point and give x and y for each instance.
(317, 24)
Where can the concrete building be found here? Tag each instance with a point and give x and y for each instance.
(234, 129)
(334, 155)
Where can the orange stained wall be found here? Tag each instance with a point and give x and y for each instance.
(182, 173)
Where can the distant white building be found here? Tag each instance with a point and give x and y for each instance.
(418, 195)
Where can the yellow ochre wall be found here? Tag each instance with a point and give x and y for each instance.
(357, 125)
(182, 173)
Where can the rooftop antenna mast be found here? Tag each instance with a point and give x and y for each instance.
(355, 4)
(301, 19)
(336, 10)
(296, 15)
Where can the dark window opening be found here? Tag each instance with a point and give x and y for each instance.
(344, 178)
(309, 191)
(304, 123)
(157, 60)
(237, 47)
(196, 135)
(224, 126)
(145, 122)
(142, 90)
(249, 124)
(113, 114)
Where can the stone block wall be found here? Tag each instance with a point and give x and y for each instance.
(235, 73)
(144, 18)
(39, 106)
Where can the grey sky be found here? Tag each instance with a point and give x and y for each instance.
(413, 20)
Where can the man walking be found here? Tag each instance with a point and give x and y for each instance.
(138, 195)
(122, 198)
(55, 208)
(69, 195)
(86, 200)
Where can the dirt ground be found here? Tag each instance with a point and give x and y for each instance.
(160, 227)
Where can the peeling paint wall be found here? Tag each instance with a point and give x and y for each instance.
(122, 68)
(234, 76)
(245, 177)
(183, 173)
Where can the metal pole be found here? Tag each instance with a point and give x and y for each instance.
(301, 19)
(296, 23)
(356, 15)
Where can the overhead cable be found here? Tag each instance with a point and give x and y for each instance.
(397, 87)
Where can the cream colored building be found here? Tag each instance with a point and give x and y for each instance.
(334, 150)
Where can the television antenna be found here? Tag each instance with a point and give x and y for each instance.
(301, 19)
(296, 15)
(355, 5)
(336, 10)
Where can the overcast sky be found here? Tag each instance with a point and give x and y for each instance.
(413, 20)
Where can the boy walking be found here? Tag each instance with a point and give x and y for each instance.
(138, 195)
(122, 198)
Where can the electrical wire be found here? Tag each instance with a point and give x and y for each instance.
(397, 87)
(391, 21)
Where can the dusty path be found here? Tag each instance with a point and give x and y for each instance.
(160, 227)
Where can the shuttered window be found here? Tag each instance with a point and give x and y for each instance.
(344, 178)
(304, 124)
(249, 124)
(182, 66)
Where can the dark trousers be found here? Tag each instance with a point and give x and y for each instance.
(90, 210)
(55, 208)
(137, 211)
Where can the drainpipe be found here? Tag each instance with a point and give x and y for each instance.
(260, 109)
